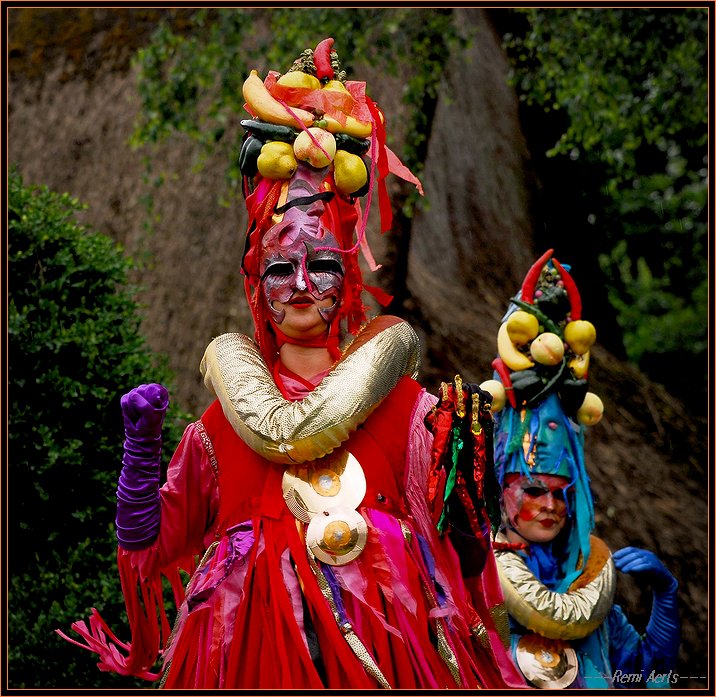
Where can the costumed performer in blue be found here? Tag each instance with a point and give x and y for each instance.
(557, 576)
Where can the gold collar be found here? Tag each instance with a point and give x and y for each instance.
(570, 615)
(292, 432)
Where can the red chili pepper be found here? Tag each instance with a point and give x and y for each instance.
(575, 299)
(528, 285)
(322, 59)
(500, 368)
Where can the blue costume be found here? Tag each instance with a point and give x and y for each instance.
(559, 581)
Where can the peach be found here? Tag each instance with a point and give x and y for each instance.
(317, 156)
(547, 349)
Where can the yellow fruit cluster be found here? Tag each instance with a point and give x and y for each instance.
(522, 329)
(279, 160)
(266, 107)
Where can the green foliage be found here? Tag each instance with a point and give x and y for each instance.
(629, 87)
(190, 83)
(74, 348)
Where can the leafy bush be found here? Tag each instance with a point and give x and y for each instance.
(74, 348)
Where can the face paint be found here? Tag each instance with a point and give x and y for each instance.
(536, 508)
(296, 268)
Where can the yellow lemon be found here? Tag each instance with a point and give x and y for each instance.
(335, 85)
(349, 172)
(580, 335)
(591, 410)
(296, 78)
(522, 327)
(277, 160)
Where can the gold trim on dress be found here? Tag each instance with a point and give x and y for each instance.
(352, 639)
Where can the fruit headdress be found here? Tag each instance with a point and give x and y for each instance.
(542, 404)
(312, 121)
(543, 345)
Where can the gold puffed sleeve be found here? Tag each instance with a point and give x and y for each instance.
(570, 615)
(288, 432)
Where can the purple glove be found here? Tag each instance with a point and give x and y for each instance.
(663, 632)
(143, 410)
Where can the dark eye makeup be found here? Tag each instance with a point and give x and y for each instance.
(537, 491)
(279, 268)
(324, 266)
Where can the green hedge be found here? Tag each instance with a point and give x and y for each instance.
(74, 349)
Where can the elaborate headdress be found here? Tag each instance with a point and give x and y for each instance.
(315, 145)
(541, 399)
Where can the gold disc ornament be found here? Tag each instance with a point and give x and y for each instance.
(338, 536)
(335, 481)
(547, 663)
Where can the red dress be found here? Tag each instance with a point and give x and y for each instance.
(259, 614)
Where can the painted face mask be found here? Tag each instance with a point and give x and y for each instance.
(299, 254)
(534, 503)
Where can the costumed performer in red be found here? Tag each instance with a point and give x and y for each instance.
(301, 491)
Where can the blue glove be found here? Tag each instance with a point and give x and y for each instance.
(661, 644)
(645, 565)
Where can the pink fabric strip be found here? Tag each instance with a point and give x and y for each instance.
(414, 647)
(352, 580)
(400, 170)
(393, 544)
(294, 592)
(417, 464)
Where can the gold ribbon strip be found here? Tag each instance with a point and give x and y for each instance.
(352, 639)
(291, 432)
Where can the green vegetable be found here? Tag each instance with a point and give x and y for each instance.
(545, 321)
(248, 157)
(356, 146)
(270, 131)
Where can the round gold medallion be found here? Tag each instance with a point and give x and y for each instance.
(325, 482)
(338, 536)
(547, 663)
(336, 480)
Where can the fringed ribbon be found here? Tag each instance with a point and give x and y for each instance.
(397, 168)
(379, 138)
(149, 632)
(332, 595)
(461, 472)
(439, 422)
(440, 612)
(383, 298)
